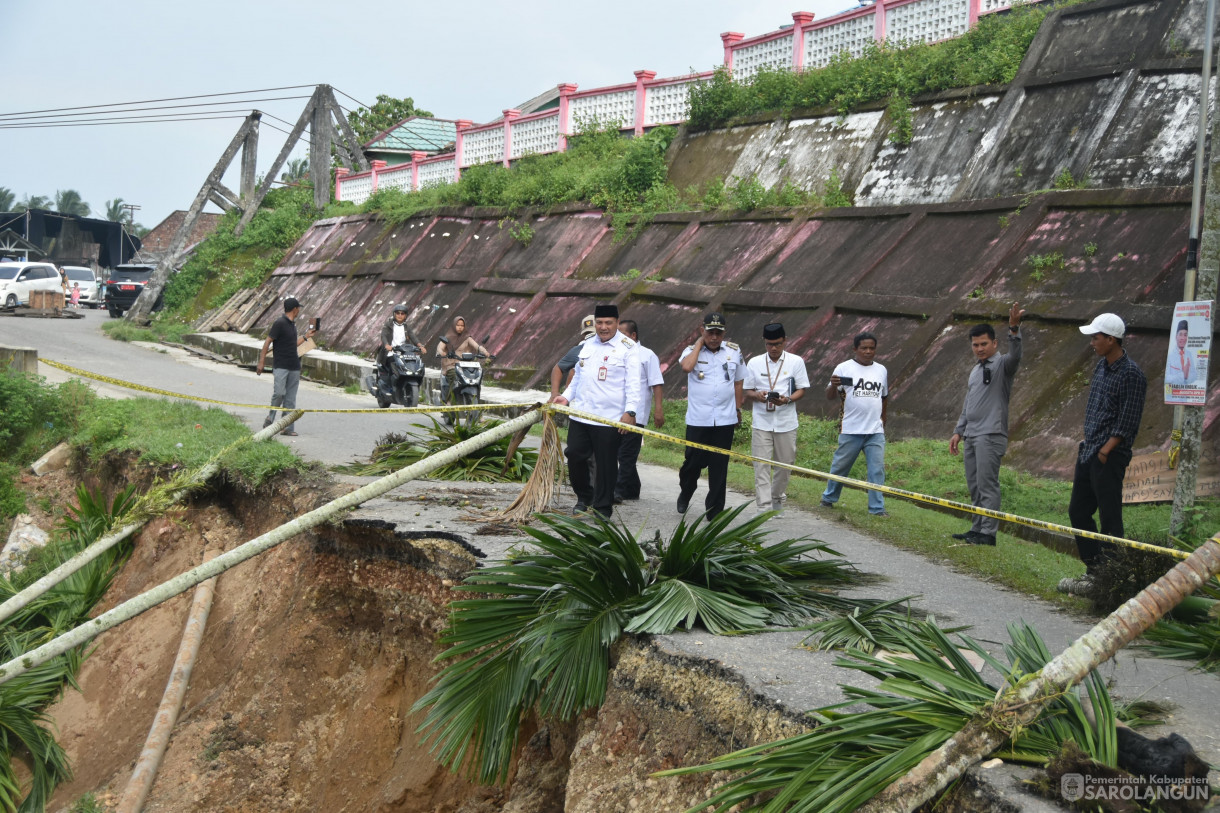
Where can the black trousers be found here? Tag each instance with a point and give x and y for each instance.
(600, 443)
(717, 465)
(1098, 487)
(629, 485)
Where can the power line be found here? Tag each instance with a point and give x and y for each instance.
(105, 123)
(350, 96)
(157, 107)
(241, 111)
(152, 101)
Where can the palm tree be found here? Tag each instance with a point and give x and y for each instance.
(7, 199)
(297, 170)
(33, 202)
(114, 210)
(68, 202)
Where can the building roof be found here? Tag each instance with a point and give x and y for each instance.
(159, 238)
(415, 133)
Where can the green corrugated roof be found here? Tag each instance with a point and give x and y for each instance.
(416, 133)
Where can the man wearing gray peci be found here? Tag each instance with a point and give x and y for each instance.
(982, 429)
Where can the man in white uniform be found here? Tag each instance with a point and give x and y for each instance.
(606, 384)
(776, 380)
(714, 371)
(651, 383)
(863, 384)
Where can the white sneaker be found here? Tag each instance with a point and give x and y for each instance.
(1077, 586)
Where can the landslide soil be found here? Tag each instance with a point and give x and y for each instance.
(300, 699)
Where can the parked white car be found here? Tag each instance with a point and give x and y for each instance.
(90, 291)
(18, 279)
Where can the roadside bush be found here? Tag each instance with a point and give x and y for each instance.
(37, 415)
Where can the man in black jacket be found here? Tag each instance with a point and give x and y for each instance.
(393, 333)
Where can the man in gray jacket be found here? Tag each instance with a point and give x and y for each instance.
(982, 429)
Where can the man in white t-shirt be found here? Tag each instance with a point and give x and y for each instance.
(775, 381)
(863, 384)
(651, 384)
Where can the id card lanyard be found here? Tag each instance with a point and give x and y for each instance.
(771, 381)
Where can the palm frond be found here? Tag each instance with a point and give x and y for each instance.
(1187, 642)
(502, 461)
(539, 628)
(919, 703)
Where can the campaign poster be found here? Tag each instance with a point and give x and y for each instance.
(1190, 345)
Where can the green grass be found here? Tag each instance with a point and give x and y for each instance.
(164, 327)
(926, 466)
(168, 433)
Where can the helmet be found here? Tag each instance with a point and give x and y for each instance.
(400, 308)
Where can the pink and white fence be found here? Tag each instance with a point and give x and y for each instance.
(650, 102)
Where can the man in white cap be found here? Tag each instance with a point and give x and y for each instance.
(1111, 420)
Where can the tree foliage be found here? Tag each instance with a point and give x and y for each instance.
(295, 170)
(7, 199)
(69, 202)
(115, 211)
(369, 122)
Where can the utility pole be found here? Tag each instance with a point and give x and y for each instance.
(1200, 284)
(131, 215)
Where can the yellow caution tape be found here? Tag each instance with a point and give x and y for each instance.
(912, 496)
(118, 382)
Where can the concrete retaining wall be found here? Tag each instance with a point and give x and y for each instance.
(916, 273)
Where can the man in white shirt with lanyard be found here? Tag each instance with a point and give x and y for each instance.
(714, 371)
(606, 384)
(651, 383)
(863, 384)
(775, 381)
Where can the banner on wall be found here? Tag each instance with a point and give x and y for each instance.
(1190, 344)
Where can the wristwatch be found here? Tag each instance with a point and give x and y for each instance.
(632, 414)
(1014, 328)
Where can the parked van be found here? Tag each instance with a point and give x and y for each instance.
(90, 294)
(17, 280)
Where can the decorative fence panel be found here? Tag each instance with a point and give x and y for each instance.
(436, 171)
(771, 53)
(668, 103)
(927, 20)
(851, 35)
(482, 146)
(400, 176)
(616, 107)
(357, 189)
(536, 135)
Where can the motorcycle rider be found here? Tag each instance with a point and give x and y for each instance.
(393, 333)
(456, 344)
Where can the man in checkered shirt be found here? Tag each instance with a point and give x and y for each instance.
(1111, 420)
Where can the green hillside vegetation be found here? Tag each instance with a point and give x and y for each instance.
(988, 54)
(625, 177)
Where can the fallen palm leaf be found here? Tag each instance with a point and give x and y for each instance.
(539, 628)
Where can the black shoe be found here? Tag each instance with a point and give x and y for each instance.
(980, 539)
(965, 537)
(267, 422)
(579, 508)
(618, 499)
(827, 504)
(683, 502)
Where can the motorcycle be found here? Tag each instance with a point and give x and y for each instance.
(399, 378)
(468, 385)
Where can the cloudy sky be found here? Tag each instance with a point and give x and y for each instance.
(469, 60)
